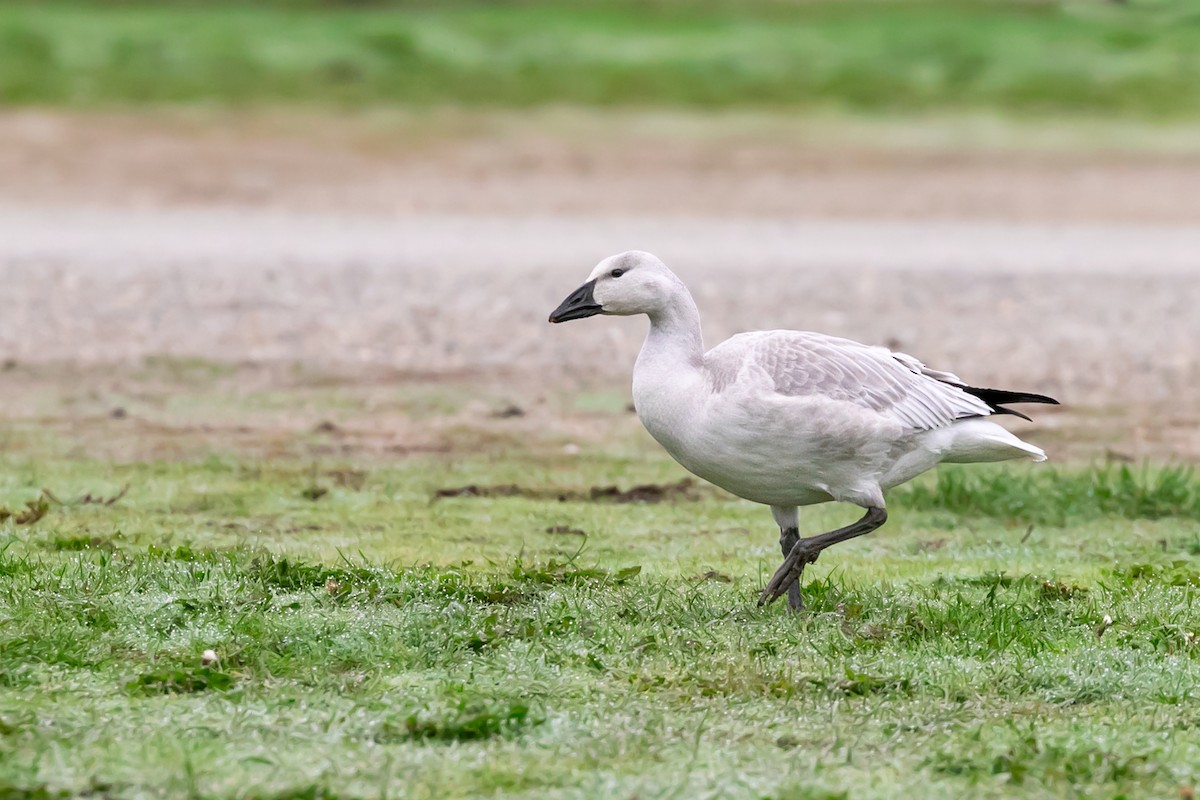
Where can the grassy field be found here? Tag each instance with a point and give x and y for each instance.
(305, 593)
(1025, 629)
(1140, 59)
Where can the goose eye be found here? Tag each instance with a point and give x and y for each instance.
(616, 273)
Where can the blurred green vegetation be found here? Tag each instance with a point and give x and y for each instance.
(1137, 59)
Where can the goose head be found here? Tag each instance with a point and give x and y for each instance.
(628, 283)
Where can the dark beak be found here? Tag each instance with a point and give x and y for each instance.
(580, 304)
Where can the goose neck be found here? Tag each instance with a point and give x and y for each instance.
(675, 331)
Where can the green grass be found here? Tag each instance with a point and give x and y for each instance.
(1141, 59)
(1053, 497)
(375, 642)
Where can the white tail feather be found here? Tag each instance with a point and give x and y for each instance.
(978, 440)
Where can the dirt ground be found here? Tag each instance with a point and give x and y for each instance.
(394, 251)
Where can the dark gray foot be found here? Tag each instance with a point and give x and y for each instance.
(787, 577)
(805, 551)
(795, 602)
(787, 540)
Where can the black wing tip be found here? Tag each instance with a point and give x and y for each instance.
(1002, 410)
(997, 399)
(1029, 397)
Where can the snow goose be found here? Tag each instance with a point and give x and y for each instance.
(791, 418)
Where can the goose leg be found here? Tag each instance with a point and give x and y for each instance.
(805, 552)
(787, 540)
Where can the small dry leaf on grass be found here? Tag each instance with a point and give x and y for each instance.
(566, 530)
(314, 492)
(88, 499)
(713, 575)
(33, 511)
(508, 412)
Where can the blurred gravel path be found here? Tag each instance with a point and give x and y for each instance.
(1098, 314)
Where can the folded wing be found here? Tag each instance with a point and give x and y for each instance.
(802, 364)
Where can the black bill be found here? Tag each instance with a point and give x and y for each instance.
(580, 304)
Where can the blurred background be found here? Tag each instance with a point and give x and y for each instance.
(238, 221)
